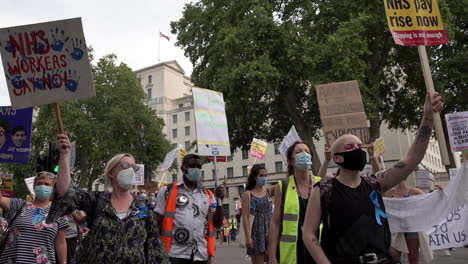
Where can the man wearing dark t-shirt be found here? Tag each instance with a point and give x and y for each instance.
(351, 208)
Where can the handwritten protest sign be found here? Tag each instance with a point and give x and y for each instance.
(415, 22)
(169, 159)
(342, 111)
(139, 175)
(46, 63)
(211, 123)
(424, 179)
(457, 126)
(452, 231)
(6, 185)
(287, 141)
(15, 134)
(30, 184)
(379, 147)
(258, 148)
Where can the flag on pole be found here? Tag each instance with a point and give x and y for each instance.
(161, 35)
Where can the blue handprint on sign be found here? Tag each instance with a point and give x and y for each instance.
(8, 47)
(17, 81)
(72, 82)
(58, 40)
(39, 82)
(77, 52)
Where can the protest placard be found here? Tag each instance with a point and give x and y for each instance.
(287, 141)
(139, 175)
(379, 147)
(457, 128)
(15, 134)
(211, 123)
(415, 23)
(169, 159)
(452, 231)
(424, 179)
(342, 111)
(6, 185)
(258, 148)
(46, 63)
(30, 184)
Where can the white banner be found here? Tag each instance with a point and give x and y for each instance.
(288, 140)
(169, 159)
(452, 231)
(420, 213)
(46, 63)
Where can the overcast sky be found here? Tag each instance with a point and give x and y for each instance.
(127, 28)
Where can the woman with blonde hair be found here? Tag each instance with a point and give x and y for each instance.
(29, 238)
(122, 229)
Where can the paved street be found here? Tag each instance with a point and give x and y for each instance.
(235, 255)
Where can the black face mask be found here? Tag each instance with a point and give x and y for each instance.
(353, 160)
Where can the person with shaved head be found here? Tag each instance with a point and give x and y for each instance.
(355, 228)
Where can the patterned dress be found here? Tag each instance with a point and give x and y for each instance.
(133, 239)
(261, 208)
(31, 239)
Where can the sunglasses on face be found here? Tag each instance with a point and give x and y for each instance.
(127, 165)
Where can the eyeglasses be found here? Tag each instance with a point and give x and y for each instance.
(47, 174)
(127, 165)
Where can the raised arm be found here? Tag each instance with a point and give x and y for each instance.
(273, 236)
(63, 175)
(311, 226)
(400, 171)
(373, 160)
(323, 169)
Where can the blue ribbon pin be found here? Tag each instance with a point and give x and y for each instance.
(142, 211)
(37, 216)
(378, 212)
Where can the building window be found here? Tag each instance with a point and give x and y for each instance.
(227, 192)
(279, 166)
(202, 175)
(187, 145)
(241, 190)
(174, 177)
(150, 93)
(213, 172)
(245, 154)
(229, 158)
(174, 145)
(181, 105)
(277, 148)
(244, 171)
(174, 133)
(226, 210)
(230, 172)
(150, 79)
(174, 119)
(187, 116)
(187, 131)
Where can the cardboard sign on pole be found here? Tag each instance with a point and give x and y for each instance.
(258, 148)
(46, 63)
(342, 111)
(457, 127)
(211, 123)
(414, 23)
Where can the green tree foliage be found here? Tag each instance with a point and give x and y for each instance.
(115, 121)
(266, 56)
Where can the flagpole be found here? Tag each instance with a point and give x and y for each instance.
(159, 46)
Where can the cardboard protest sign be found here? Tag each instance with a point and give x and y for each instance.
(30, 184)
(342, 111)
(139, 175)
(46, 63)
(379, 147)
(457, 127)
(258, 148)
(6, 185)
(415, 22)
(15, 134)
(211, 123)
(288, 140)
(452, 231)
(169, 159)
(424, 179)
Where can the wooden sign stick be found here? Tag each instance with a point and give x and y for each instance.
(58, 116)
(436, 116)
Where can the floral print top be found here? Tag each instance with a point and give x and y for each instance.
(133, 239)
(31, 239)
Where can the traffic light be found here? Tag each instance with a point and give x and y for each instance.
(50, 162)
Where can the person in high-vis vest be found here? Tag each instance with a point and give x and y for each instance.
(233, 227)
(290, 203)
(188, 215)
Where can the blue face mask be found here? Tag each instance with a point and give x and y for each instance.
(262, 181)
(194, 174)
(303, 161)
(42, 192)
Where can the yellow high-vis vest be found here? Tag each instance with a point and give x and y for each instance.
(290, 222)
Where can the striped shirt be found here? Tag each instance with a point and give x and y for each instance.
(31, 240)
